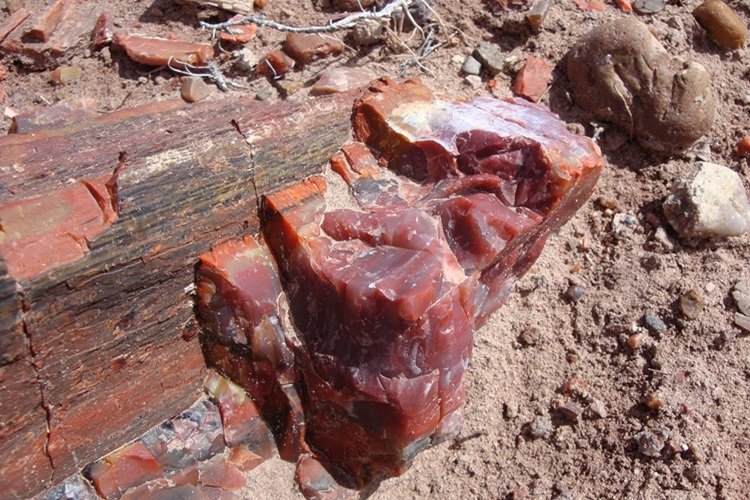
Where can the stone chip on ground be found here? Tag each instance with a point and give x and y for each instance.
(306, 47)
(724, 26)
(709, 200)
(154, 51)
(341, 79)
(194, 89)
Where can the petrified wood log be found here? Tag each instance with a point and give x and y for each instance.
(455, 202)
(101, 224)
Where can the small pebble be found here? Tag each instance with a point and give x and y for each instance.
(574, 292)
(194, 89)
(246, 59)
(708, 201)
(692, 303)
(529, 336)
(742, 321)
(571, 357)
(654, 322)
(635, 340)
(743, 147)
(471, 66)
(265, 93)
(648, 6)
(510, 410)
(722, 23)
(65, 74)
(541, 427)
(649, 444)
(741, 296)
(474, 81)
(490, 56)
(655, 402)
(598, 409)
(570, 410)
(368, 32)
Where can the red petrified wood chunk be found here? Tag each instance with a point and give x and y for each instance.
(128, 467)
(316, 482)
(241, 33)
(12, 23)
(532, 81)
(58, 115)
(103, 32)
(303, 47)
(160, 51)
(43, 26)
(743, 147)
(275, 64)
(454, 206)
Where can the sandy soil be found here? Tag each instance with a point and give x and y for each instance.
(698, 369)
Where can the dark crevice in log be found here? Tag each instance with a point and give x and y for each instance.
(39, 380)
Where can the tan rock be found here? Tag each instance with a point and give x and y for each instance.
(723, 25)
(65, 75)
(194, 89)
(341, 79)
(304, 47)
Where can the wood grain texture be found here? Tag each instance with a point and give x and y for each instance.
(109, 336)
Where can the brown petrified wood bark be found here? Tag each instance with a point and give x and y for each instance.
(100, 226)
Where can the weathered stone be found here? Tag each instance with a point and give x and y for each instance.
(56, 116)
(743, 147)
(246, 59)
(648, 6)
(490, 56)
(73, 488)
(654, 322)
(723, 25)
(541, 427)
(570, 410)
(222, 474)
(692, 303)
(316, 482)
(155, 51)
(649, 443)
(368, 32)
(741, 296)
(666, 109)
(471, 66)
(708, 201)
(103, 33)
(194, 89)
(275, 64)
(306, 47)
(536, 14)
(341, 79)
(66, 74)
(532, 81)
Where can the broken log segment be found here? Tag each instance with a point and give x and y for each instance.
(98, 332)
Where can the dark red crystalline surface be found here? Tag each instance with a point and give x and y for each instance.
(454, 201)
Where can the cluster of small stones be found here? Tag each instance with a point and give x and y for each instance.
(204, 452)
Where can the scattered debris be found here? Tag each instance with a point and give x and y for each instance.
(663, 109)
(341, 79)
(194, 89)
(722, 23)
(708, 201)
(532, 81)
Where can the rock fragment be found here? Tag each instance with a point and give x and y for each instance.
(12, 22)
(131, 466)
(103, 32)
(598, 409)
(541, 427)
(45, 23)
(275, 64)
(536, 14)
(570, 410)
(723, 25)
(156, 51)
(654, 322)
(666, 108)
(743, 147)
(194, 89)
(692, 303)
(246, 59)
(341, 79)
(741, 296)
(532, 81)
(649, 444)
(490, 56)
(65, 75)
(590, 5)
(625, 5)
(73, 488)
(368, 32)
(306, 47)
(471, 66)
(648, 6)
(708, 201)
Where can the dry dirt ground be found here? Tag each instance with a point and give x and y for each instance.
(699, 370)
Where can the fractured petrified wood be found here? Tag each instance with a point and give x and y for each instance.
(451, 203)
(100, 226)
